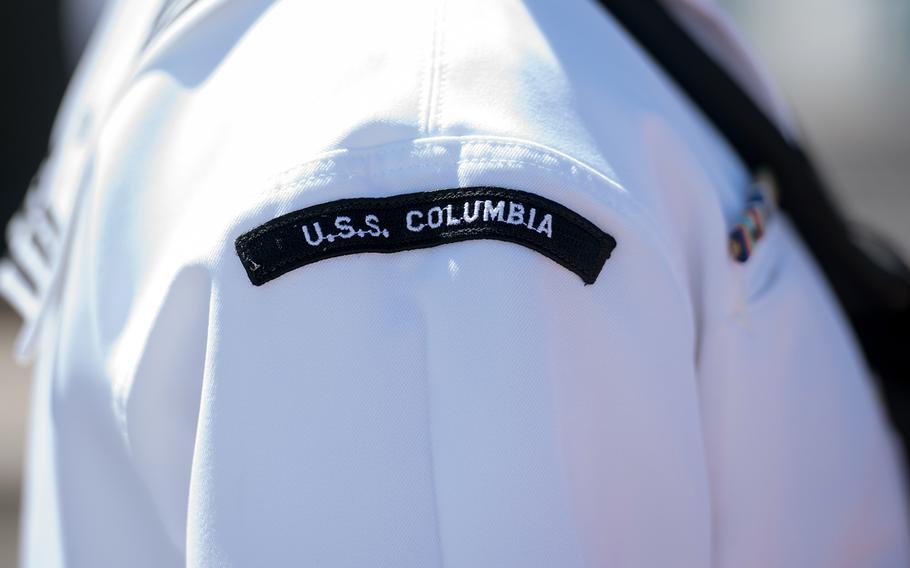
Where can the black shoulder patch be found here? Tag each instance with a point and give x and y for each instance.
(421, 220)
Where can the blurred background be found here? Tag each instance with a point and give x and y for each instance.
(844, 65)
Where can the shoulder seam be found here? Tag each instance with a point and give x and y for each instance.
(434, 75)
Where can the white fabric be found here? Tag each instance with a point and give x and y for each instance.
(472, 404)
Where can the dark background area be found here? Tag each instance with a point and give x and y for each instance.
(36, 55)
(34, 75)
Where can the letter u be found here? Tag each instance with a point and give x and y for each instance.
(471, 218)
(306, 234)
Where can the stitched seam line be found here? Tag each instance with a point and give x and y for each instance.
(462, 236)
(435, 109)
(432, 79)
(466, 233)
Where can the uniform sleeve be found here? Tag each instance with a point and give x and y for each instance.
(474, 403)
(422, 284)
(471, 403)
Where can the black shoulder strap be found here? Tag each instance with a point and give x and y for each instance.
(873, 286)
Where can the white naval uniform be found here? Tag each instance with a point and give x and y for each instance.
(468, 405)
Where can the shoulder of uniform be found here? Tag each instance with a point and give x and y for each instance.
(352, 74)
(257, 93)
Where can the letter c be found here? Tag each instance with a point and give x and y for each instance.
(409, 221)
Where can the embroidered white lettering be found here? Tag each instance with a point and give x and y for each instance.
(343, 224)
(516, 214)
(468, 218)
(493, 213)
(546, 226)
(409, 218)
(372, 221)
(449, 219)
(318, 230)
(434, 217)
